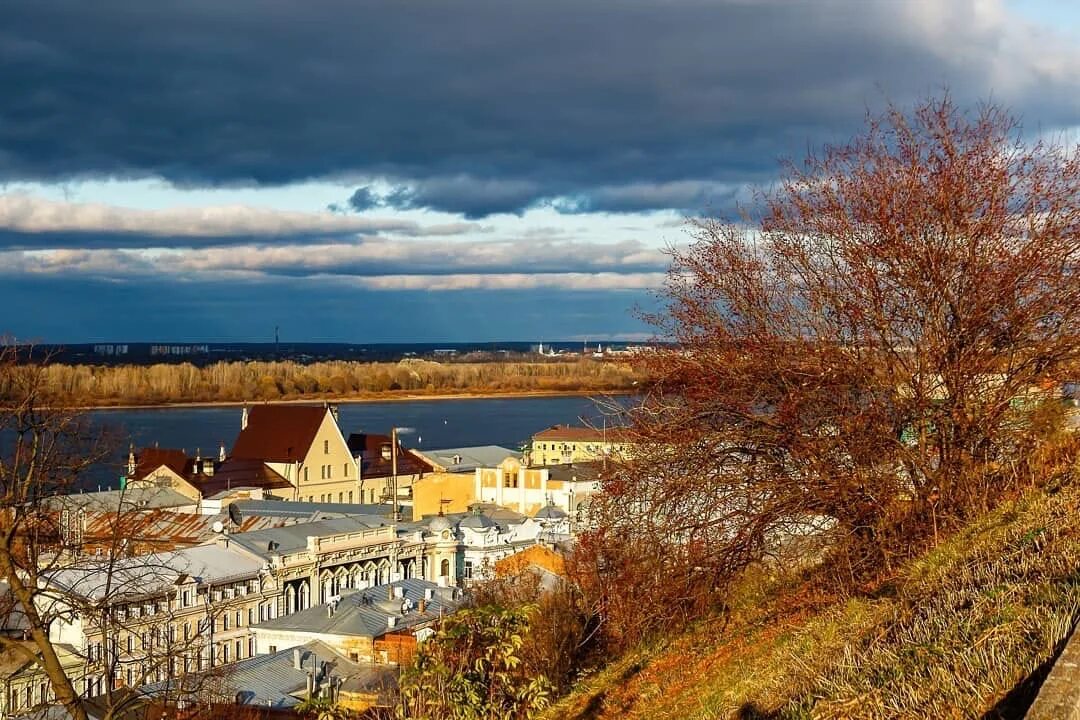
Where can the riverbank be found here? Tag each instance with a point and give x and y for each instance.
(410, 396)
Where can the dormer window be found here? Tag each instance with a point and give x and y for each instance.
(326, 447)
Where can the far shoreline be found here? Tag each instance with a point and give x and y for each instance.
(365, 399)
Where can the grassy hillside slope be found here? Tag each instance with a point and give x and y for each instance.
(964, 631)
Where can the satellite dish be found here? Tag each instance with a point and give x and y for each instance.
(234, 514)
(218, 526)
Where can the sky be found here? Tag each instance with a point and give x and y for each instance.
(468, 170)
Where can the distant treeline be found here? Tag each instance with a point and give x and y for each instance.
(240, 381)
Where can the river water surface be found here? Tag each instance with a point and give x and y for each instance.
(437, 424)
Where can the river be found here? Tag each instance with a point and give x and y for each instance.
(436, 423)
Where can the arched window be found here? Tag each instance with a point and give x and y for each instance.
(444, 569)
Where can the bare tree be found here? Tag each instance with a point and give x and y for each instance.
(121, 603)
(44, 448)
(866, 358)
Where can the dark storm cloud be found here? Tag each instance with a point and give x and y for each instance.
(485, 106)
(363, 199)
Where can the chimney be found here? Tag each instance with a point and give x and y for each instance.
(422, 607)
(131, 460)
(334, 413)
(297, 656)
(391, 622)
(387, 452)
(389, 592)
(399, 592)
(429, 593)
(221, 453)
(244, 417)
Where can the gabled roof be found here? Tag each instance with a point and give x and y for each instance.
(150, 459)
(279, 433)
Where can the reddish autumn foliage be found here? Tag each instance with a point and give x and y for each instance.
(870, 361)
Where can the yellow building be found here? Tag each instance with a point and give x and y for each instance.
(565, 444)
(451, 487)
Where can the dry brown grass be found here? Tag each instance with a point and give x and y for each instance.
(961, 632)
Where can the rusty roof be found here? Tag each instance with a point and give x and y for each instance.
(170, 529)
(279, 433)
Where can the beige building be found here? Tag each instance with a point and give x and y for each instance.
(303, 445)
(524, 489)
(24, 685)
(565, 444)
(451, 487)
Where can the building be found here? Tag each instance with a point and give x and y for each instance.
(527, 489)
(281, 680)
(204, 479)
(380, 625)
(376, 457)
(565, 444)
(154, 617)
(303, 445)
(479, 538)
(450, 487)
(24, 686)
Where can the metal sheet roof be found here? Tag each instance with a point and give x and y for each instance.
(364, 613)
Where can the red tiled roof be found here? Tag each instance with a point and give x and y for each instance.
(278, 433)
(570, 433)
(237, 473)
(369, 447)
(150, 459)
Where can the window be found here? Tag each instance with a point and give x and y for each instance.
(272, 649)
(239, 650)
(341, 497)
(187, 630)
(345, 469)
(445, 568)
(238, 619)
(131, 643)
(185, 598)
(131, 677)
(224, 622)
(329, 471)
(225, 652)
(305, 475)
(326, 447)
(251, 646)
(251, 616)
(350, 494)
(468, 568)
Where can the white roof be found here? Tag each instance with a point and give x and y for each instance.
(147, 574)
